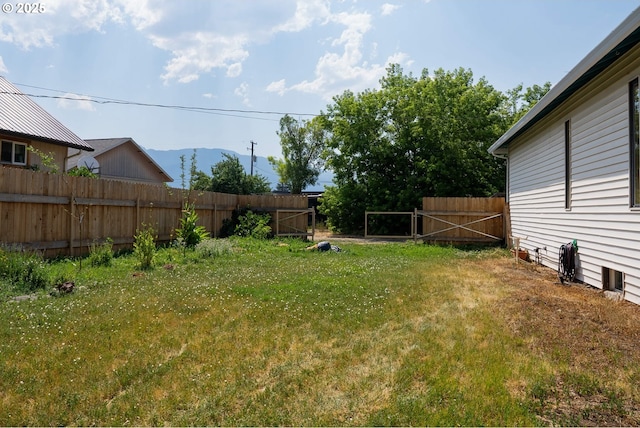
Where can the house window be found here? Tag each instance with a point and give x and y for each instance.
(14, 153)
(612, 280)
(634, 143)
(567, 164)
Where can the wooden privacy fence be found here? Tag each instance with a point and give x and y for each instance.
(63, 215)
(462, 220)
(453, 220)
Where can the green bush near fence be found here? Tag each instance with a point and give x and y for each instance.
(22, 271)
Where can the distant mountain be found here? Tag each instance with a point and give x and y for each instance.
(169, 160)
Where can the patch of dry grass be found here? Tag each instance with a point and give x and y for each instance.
(586, 343)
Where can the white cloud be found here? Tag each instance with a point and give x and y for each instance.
(243, 92)
(234, 70)
(76, 102)
(143, 13)
(200, 52)
(195, 49)
(209, 95)
(58, 18)
(3, 68)
(279, 87)
(344, 68)
(388, 9)
(307, 12)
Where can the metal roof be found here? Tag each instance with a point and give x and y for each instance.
(612, 48)
(20, 116)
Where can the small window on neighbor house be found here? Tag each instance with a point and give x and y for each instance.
(14, 153)
(634, 143)
(612, 280)
(567, 164)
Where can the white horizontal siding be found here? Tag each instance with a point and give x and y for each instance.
(606, 228)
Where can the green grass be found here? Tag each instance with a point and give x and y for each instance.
(265, 333)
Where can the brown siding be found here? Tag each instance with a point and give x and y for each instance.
(126, 162)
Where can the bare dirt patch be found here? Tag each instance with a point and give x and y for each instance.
(590, 342)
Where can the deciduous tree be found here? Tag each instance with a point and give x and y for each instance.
(302, 143)
(229, 176)
(415, 137)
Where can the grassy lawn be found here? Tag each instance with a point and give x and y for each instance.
(270, 334)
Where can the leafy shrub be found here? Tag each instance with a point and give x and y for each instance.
(101, 254)
(144, 246)
(190, 234)
(254, 225)
(210, 248)
(230, 225)
(25, 271)
(82, 171)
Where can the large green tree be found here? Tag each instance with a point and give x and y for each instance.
(229, 176)
(302, 143)
(414, 137)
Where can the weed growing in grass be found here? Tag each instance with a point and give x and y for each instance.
(210, 248)
(190, 234)
(23, 271)
(101, 254)
(144, 246)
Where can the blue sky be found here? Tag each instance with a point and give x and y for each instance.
(272, 56)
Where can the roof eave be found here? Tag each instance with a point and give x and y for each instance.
(47, 140)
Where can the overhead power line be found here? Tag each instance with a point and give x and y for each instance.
(103, 100)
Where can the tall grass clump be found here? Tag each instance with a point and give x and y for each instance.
(144, 246)
(210, 248)
(22, 271)
(101, 254)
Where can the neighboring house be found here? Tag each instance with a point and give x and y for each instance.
(23, 123)
(574, 167)
(120, 159)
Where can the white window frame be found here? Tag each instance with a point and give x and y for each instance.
(13, 153)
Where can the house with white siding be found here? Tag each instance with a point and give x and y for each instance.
(573, 167)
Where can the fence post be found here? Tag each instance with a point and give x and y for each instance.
(414, 226)
(214, 229)
(72, 216)
(137, 216)
(366, 221)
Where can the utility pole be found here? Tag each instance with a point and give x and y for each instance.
(253, 158)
